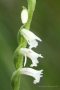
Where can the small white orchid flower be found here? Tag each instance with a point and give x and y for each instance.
(31, 54)
(30, 37)
(37, 74)
(24, 16)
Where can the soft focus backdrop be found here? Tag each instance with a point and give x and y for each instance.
(46, 25)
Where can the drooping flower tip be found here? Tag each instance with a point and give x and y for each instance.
(39, 39)
(30, 37)
(24, 16)
(41, 56)
(37, 74)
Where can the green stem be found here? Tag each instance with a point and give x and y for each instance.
(31, 8)
(18, 58)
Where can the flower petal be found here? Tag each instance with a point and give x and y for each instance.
(37, 74)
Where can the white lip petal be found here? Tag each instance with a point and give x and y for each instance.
(31, 54)
(33, 43)
(30, 37)
(37, 74)
(24, 16)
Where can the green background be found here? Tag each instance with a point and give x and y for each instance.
(46, 25)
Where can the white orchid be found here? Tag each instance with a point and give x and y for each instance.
(24, 16)
(30, 37)
(31, 54)
(37, 74)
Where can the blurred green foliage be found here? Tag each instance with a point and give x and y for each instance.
(45, 24)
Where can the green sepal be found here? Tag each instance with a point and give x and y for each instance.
(21, 40)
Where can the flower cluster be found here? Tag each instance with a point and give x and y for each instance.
(31, 39)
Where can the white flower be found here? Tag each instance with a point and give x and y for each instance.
(31, 54)
(30, 37)
(24, 16)
(34, 73)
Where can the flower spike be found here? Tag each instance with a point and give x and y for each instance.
(37, 74)
(30, 37)
(31, 54)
